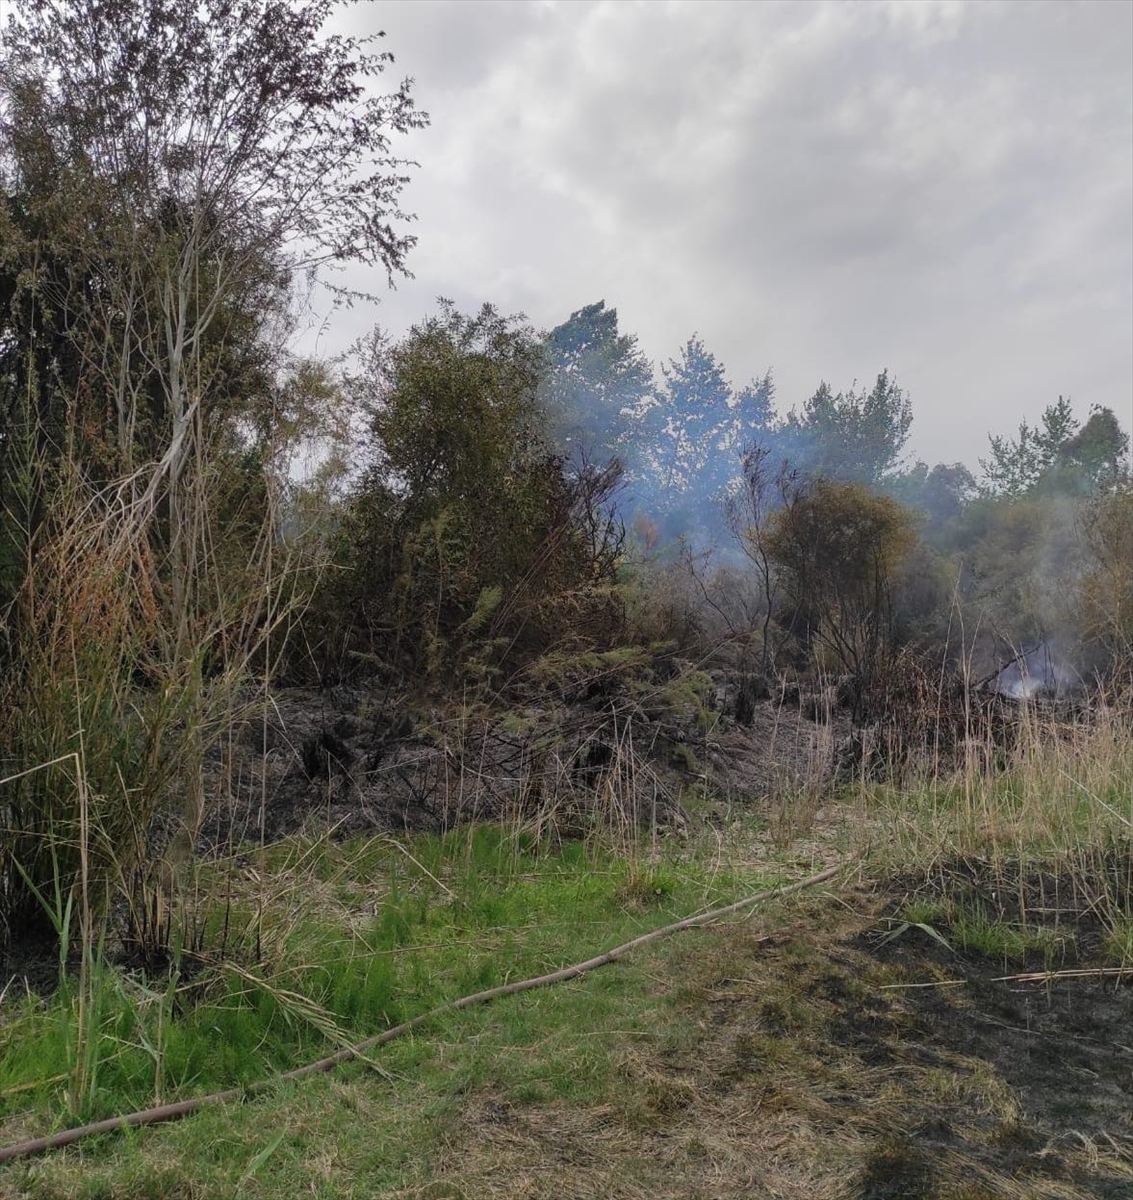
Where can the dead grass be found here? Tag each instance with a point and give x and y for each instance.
(803, 1079)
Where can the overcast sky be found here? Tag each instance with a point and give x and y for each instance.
(944, 189)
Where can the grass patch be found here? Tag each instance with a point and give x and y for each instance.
(353, 938)
(877, 1027)
(1008, 943)
(754, 1059)
(1117, 945)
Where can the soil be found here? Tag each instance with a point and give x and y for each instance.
(1064, 1048)
(28, 966)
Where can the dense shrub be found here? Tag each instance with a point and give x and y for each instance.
(468, 546)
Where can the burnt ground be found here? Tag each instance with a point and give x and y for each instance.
(814, 1064)
(358, 760)
(28, 965)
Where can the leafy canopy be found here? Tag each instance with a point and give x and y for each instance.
(850, 436)
(595, 384)
(1057, 454)
(242, 105)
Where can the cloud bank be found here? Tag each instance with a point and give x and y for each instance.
(943, 189)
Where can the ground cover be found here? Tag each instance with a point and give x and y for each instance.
(349, 938)
(802, 1053)
(948, 1019)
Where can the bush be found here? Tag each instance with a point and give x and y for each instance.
(468, 547)
(1107, 584)
(841, 545)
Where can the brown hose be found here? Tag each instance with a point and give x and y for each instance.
(172, 1112)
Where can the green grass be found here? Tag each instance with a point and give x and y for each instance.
(1016, 864)
(362, 936)
(964, 926)
(1010, 942)
(1117, 945)
(328, 943)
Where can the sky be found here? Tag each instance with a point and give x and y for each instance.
(824, 189)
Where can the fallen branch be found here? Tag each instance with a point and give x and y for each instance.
(1023, 977)
(931, 983)
(183, 1108)
(1076, 973)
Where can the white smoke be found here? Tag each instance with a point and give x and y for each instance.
(1039, 669)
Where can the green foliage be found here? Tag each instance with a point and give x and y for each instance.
(924, 587)
(840, 545)
(1119, 941)
(1095, 456)
(852, 436)
(1057, 455)
(594, 387)
(696, 412)
(564, 671)
(974, 931)
(696, 428)
(940, 495)
(467, 545)
(1021, 562)
(454, 414)
(1016, 464)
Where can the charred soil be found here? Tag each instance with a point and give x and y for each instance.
(836, 1066)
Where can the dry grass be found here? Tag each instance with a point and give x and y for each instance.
(793, 1076)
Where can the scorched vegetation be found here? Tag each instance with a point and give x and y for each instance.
(548, 649)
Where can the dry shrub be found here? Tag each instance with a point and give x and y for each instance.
(112, 694)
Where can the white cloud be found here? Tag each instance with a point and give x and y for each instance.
(944, 189)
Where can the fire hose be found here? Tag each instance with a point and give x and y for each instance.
(183, 1108)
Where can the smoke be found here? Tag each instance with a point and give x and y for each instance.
(1040, 669)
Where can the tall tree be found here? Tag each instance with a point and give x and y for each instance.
(1016, 466)
(940, 493)
(166, 167)
(1095, 456)
(595, 386)
(694, 411)
(183, 160)
(1058, 454)
(852, 436)
(754, 416)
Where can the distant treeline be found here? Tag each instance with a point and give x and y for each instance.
(682, 437)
